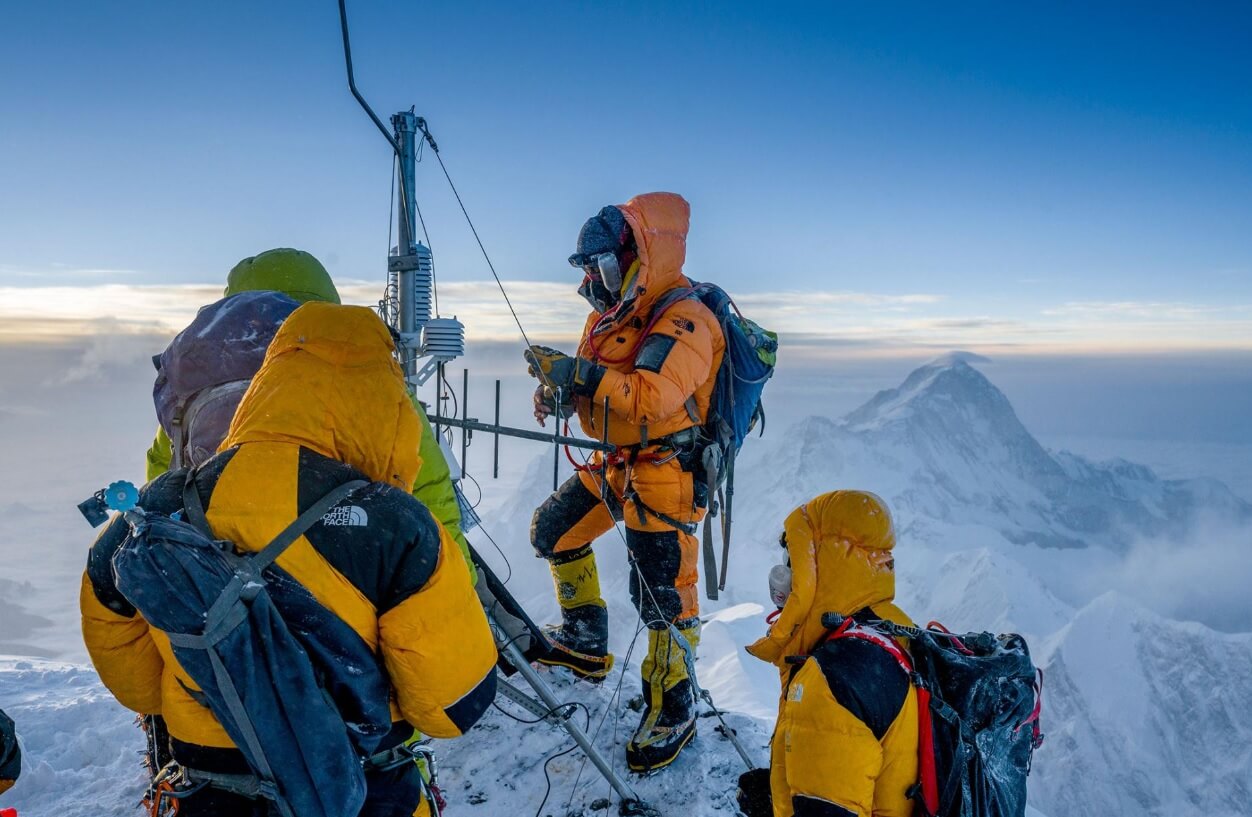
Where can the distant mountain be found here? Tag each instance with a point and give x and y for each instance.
(946, 445)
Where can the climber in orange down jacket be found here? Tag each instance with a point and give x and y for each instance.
(329, 405)
(656, 372)
(846, 740)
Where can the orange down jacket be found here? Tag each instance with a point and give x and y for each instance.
(659, 369)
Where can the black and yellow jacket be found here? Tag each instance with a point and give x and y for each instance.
(846, 740)
(328, 406)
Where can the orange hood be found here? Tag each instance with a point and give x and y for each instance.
(329, 383)
(659, 222)
(840, 545)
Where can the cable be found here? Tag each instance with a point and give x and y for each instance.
(456, 406)
(525, 338)
(547, 779)
(574, 705)
(571, 705)
(470, 477)
(499, 550)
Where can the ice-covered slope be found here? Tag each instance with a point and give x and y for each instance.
(1145, 716)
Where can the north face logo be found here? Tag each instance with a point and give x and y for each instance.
(346, 515)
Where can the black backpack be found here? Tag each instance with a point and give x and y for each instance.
(979, 697)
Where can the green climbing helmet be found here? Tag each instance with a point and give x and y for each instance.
(293, 272)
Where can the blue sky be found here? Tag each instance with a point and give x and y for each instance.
(1013, 170)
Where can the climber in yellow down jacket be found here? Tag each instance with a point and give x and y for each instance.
(329, 405)
(301, 277)
(846, 740)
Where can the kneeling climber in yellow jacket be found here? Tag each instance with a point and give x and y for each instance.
(846, 740)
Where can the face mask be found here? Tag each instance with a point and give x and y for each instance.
(779, 584)
(596, 294)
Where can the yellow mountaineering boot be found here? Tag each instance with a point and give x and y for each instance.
(581, 642)
(669, 714)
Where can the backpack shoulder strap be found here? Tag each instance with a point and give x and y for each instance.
(193, 508)
(270, 553)
(851, 628)
(926, 790)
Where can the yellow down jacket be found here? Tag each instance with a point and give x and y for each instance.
(327, 406)
(846, 740)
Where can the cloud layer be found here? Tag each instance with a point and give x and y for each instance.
(813, 323)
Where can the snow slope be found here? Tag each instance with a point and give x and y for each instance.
(1144, 714)
(81, 751)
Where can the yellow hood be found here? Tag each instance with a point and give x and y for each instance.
(329, 383)
(840, 545)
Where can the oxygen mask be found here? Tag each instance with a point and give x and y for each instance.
(779, 584)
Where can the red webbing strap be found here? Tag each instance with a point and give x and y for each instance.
(926, 768)
(886, 642)
(926, 771)
(956, 642)
(1033, 720)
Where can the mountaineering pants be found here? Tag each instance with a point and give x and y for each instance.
(390, 793)
(663, 559)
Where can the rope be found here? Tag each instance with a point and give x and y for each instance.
(421, 124)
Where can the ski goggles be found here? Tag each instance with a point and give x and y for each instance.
(603, 266)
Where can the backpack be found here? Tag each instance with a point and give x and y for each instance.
(203, 373)
(297, 690)
(734, 409)
(977, 694)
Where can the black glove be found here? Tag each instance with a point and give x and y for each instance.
(552, 366)
(557, 370)
(545, 405)
(754, 797)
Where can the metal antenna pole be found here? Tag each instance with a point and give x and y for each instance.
(465, 432)
(495, 446)
(559, 713)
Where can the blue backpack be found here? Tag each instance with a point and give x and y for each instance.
(734, 410)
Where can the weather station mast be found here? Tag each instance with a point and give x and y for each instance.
(427, 342)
